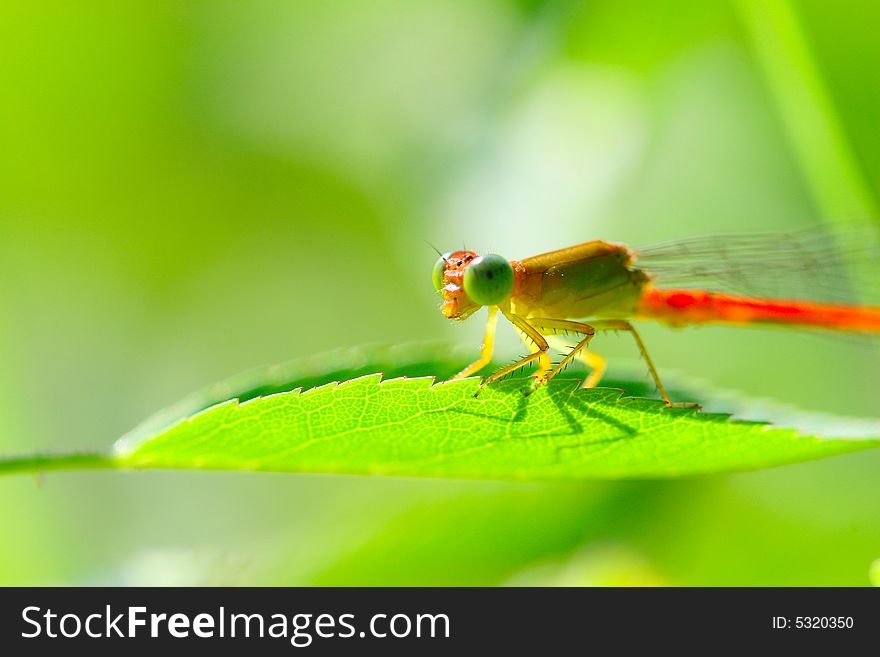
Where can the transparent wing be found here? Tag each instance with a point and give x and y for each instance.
(820, 263)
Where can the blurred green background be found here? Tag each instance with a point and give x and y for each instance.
(190, 189)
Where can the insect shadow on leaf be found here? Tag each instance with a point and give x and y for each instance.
(566, 399)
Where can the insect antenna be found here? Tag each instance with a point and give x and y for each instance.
(437, 251)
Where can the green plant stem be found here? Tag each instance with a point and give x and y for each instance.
(808, 115)
(36, 463)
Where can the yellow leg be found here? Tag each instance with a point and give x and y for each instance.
(622, 325)
(487, 349)
(597, 366)
(538, 343)
(563, 326)
(544, 362)
(531, 335)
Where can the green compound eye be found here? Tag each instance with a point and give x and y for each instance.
(488, 280)
(439, 268)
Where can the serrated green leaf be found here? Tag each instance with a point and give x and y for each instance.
(410, 427)
(416, 427)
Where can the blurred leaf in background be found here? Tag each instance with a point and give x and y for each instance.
(192, 189)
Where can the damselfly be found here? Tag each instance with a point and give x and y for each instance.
(809, 279)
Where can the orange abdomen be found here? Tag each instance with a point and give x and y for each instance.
(681, 307)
